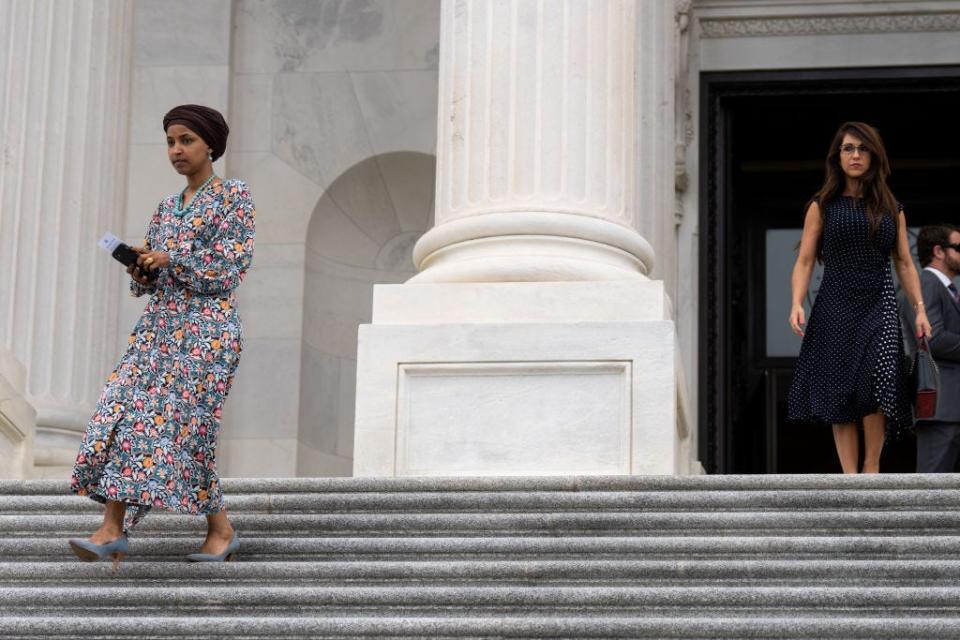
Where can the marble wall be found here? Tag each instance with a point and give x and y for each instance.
(361, 233)
(332, 109)
(337, 105)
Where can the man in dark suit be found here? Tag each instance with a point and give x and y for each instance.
(938, 438)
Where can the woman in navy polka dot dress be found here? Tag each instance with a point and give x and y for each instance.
(849, 369)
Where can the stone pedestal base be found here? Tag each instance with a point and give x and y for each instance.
(17, 421)
(60, 429)
(501, 379)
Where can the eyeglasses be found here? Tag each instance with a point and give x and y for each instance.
(850, 148)
(955, 247)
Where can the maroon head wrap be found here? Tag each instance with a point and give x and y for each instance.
(205, 122)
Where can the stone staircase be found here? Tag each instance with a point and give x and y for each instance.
(611, 557)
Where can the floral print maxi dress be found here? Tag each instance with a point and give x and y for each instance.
(153, 437)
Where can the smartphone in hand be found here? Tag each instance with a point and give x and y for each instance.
(123, 253)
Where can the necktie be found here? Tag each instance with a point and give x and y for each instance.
(953, 291)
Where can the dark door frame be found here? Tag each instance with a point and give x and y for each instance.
(716, 375)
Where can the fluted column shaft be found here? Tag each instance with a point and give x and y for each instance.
(536, 144)
(64, 93)
(656, 132)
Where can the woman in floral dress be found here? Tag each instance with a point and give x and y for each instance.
(153, 438)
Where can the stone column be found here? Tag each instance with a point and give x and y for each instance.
(655, 91)
(536, 157)
(64, 87)
(534, 341)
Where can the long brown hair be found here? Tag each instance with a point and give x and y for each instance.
(877, 196)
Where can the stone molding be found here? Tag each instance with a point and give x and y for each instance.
(828, 25)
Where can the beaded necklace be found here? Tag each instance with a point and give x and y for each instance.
(180, 210)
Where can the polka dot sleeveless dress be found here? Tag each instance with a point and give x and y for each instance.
(850, 362)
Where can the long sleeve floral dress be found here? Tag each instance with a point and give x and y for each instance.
(152, 440)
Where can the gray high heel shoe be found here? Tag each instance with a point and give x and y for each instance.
(90, 552)
(228, 555)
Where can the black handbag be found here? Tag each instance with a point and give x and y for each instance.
(925, 378)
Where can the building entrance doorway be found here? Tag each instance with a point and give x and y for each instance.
(764, 139)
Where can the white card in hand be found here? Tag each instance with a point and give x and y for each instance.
(109, 242)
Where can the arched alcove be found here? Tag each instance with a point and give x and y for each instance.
(361, 233)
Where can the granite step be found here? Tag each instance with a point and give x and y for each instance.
(530, 501)
(936, 601)
(525, 626)
(640, 573)
(679, 484)
(718, 600)
(676, 548)
(646, 523)
(707, 557)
